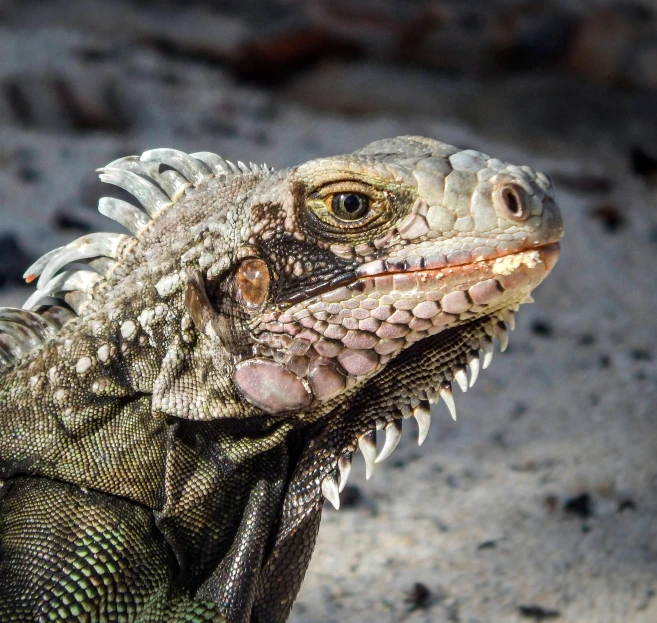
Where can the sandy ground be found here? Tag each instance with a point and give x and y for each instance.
(539, 503)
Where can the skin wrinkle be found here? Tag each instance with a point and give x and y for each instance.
(243, 344)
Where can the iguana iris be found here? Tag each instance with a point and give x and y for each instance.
(173, 420)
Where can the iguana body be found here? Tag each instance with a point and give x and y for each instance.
(166, 447)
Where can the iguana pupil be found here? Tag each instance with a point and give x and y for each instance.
(350, 206)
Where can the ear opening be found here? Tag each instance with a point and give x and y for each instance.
(206, 319)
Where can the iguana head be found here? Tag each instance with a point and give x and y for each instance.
(344, 294)
(361, 256)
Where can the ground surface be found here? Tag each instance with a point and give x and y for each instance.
(540, 502)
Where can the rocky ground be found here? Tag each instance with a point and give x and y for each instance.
(540, 502)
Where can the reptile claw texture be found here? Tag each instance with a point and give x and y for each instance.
(172, 423)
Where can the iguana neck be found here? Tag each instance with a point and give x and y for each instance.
(89, 372)
(227, 471)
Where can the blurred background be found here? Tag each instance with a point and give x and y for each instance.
(540, 503)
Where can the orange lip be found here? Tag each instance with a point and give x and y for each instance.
(549, 254)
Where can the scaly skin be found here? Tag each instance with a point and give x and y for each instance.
(166, 449)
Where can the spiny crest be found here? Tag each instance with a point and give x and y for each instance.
(157, 179)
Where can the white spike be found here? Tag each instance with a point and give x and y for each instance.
(144, 190)
(37, 268)
(191, 168)
(36, 299)
(487, 348)
(82, 280)
(510, 318)
(344, 466)
(173, 183)
(502, 335)
(214, 162)
(422, 414)
(446, 394)
(461, 377)
(124, 213)
(91, 245)
(41, 295)
(233, 167)
(393, 435)
(473, 362)
(367, 445)
(243, 167)
(330, 491)
(127, 163)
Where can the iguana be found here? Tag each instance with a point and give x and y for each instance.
(178, 403)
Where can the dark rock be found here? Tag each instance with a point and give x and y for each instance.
(487, 545)
(538, 613)
(643, 164)
(610, 216)
(542, 328)
(627, 504)
(580, 505)
(419, 597)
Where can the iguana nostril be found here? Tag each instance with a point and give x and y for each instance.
(511, 201)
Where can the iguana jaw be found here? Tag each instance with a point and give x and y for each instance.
(415, 377)
(332, 344)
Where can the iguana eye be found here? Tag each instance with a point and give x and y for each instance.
(350, 206)
(347, 210)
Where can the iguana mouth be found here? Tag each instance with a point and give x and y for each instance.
(427, 328)
(316, 351)
(380, 268)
